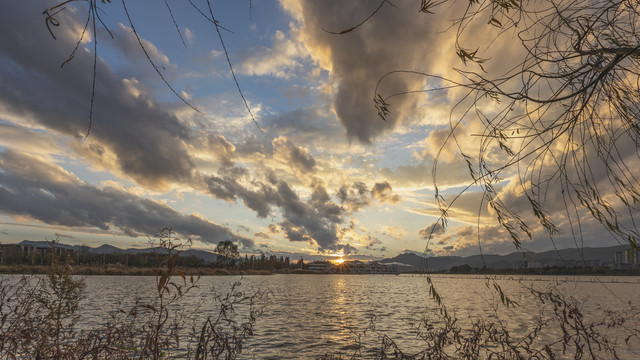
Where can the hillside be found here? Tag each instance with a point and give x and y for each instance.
(207, 256)
(567, 257)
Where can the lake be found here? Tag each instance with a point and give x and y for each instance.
(307, 316)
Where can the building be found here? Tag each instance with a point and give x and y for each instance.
(353, 267)
(321, 266)
(32, 254)
(626, 259)
(371, 267)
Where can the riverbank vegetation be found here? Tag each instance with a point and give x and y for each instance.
(36, 258)
(122, 270)
(40, 318)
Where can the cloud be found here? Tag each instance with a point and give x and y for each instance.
(303, 221)
(135, 137)
(282, 60)
(357, 60)
(466, 240)
(467, 208)
(421, 174)
(323, 204)
(383, 193)
(30, 186)
(441, 143)
(124, 41)
(346, 249)
(303, 126)
(247, 244)
(373, 242)
(297, 157)
(273, 229)
(434, 230)
(222, 149)
(395, 232)
(355, 197)
(358, 196)
(294, 233)
(59, 235)
(131, 134)
(189, 36)
(28, 140)
(138, 138)
(313, 220)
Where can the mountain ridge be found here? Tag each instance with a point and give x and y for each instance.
(412, 262)
(408, 261)
(207, 256)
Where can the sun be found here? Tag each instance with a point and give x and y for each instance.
(338, 261)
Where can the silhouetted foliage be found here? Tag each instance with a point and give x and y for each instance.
(564, 118)
(227, 253)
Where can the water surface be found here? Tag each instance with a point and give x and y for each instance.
(306, 316)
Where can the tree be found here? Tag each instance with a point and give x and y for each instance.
(564, 117)
(227, 253)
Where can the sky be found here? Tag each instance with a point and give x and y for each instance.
(318, 174)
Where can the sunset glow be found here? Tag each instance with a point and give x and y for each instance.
(352, 179)
(311, 171)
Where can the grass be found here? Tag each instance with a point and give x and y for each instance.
(122, 270)
(39, 321)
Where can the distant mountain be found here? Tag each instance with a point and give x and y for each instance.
(569, 256)
(103, 249)
(408, 262)
(44, 244)
(206, 256)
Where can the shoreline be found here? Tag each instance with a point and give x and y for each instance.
(121, 270)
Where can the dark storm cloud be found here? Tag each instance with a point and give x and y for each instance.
(293, 233)
(227, 187)
(132, 135)
(323, 204)
(386, 42)
(315, 219)
(147, 141)
(46, 192)
(303, 220)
